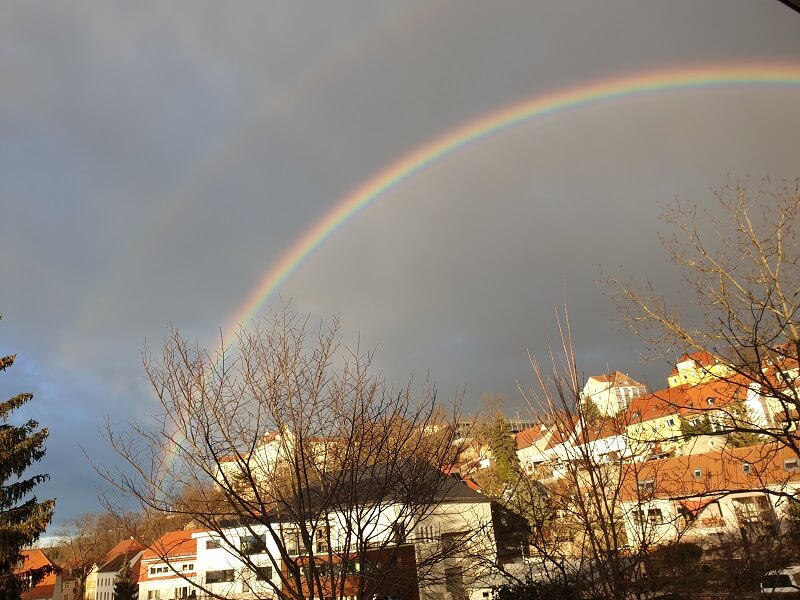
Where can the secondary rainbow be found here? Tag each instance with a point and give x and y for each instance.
(764, 74)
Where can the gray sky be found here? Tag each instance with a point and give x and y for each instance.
(157, 159)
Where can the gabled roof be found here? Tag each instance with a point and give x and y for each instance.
(129, 546)
(115, 564)
(36, 559)
(702, 360)
(562, 431)
(602, 429)
(617, 379)
(527, 437)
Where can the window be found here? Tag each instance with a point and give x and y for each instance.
(219, 576)
(212, 544)
(697, 473)
(321, 539)
(181, 592)
(671, 422)
(654, 516)
(253, 544)
(291, 541)
(399, 532)
(353, 567)
(647, 485)
(264, 573)
(153, 594)
(711, 401)
(188, 567)
(746, 467)
(791, 464)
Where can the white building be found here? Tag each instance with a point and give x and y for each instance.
(612, 392)
(437, 549)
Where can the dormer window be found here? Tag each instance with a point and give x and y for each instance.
(711, 401)
(697, 473)
(648, 485)
(791, 464)
(746, 467)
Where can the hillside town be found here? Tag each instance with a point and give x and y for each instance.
(619, 478)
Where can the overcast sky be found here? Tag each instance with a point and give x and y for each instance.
(157, 159)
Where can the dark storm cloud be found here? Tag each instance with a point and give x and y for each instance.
(155, 160)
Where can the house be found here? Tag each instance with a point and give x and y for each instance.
(100, 582)
(707, 498)
(612, 392)
(655, 418)
(697, 367)
(531, 444)
(70, 587)
(279, 450)
(603, 441)
(673, 416)
(168, 567)
(49, 587)
(377, 543)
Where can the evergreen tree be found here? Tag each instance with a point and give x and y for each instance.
(21, 521)
(504, 450)
(124, 586)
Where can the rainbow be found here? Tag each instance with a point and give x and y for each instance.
(765, 74)
(779, 75)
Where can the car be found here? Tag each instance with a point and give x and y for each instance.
(782, 581)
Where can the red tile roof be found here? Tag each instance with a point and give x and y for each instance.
(719, 472)
(36, 559)
(129, 546)
(687, 399)
(527, 437)
(617, 379)
(173, 543)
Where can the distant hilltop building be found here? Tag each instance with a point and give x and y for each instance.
(697, 367)
(612, 392)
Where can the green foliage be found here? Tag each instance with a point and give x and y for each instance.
(589, 411)
(701, 426)
(504, 450)
(22, 520)
(124, 586)
(740, 417)
(537, 590)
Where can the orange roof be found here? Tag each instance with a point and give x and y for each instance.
(701, 358)
(656, 405)
(527, 437)
(562, 431)
(687, 399)
(36, 559)
(129, 546)
(604, 428)
(169, 548)
(616, 379)
(172, 544)
(719, 472)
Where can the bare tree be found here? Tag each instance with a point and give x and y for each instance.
(587, 526)
(741, 261)
(86, 539)
(314, 467)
